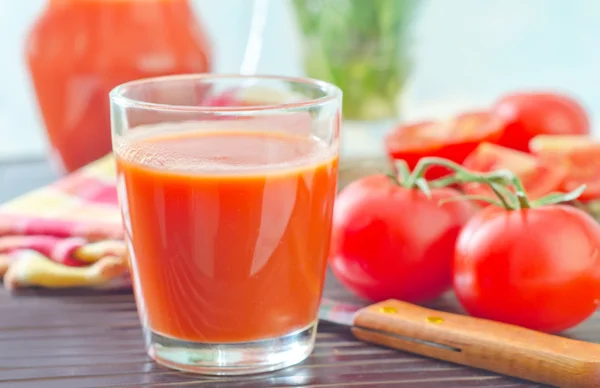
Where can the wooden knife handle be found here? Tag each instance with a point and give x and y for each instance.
(479, 343)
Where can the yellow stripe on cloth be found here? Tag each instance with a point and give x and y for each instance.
(30, 268)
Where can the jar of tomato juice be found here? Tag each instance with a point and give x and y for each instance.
(78, 50)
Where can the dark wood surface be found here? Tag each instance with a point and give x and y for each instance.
(79, 339)
(23, 175)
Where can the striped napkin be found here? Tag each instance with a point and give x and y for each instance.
(67, 234)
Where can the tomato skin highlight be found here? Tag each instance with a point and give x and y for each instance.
(536, 268)
(393, 242)
(529, 114)
(454, 139)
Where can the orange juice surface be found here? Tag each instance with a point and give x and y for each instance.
(228, 231)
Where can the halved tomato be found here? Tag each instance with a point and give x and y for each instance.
(578, 155)
(529, 114)
(538, 177)
(454, 139)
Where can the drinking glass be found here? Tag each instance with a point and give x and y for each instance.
(226, 185)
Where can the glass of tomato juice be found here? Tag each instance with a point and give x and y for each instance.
(226, 185)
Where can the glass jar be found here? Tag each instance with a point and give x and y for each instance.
(78, 50)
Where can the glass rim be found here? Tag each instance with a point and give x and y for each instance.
(331, 93)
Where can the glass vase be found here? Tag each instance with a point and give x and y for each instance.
(362, 46)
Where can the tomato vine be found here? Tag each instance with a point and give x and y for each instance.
(507, 187)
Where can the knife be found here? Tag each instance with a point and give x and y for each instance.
(479, 343)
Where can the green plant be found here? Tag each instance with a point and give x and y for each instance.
(362, 47)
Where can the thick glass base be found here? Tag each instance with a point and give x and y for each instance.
(232, 358)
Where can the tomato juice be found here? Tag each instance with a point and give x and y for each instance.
(228, 230)
(78, 50)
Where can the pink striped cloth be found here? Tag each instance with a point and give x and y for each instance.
(67, 234)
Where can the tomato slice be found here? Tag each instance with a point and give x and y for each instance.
(453, 139)
(578, 155)
(547, 145)
(538, 177)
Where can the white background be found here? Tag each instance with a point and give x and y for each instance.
(467, 53)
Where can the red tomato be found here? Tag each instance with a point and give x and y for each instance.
(392, 242)
(453, 139)
(529, 114)
(537, 268)
(579, 155)
(538, 177)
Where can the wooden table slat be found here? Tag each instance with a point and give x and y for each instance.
(94, 340)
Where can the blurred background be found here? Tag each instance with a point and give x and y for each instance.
(465, 53)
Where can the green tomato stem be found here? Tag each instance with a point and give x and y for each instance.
(472, 198)
(423, 186)
(394, 179)
(501, 197)
(403, 171)
(445, 181)
(522, 201)
(499, 182)
(494, 180)
(555, 198)
(520, 192)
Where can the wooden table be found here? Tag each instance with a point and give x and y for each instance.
(79, 339)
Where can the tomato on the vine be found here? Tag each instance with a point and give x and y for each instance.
(539, 178)
(393, 241)
(578, 155)
(529, 114)
(453, 139)
(538, 267)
